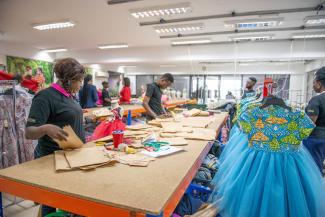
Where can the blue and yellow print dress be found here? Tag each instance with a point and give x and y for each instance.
(265, 171)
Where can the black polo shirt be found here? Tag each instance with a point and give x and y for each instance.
(50, 106)
(155, 94)
(105, 94)
(316, 107)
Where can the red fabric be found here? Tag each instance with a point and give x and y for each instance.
(5, 76)
(267, 83)
(125, 95)
(30, 84)
(106, 128)
(100, 97)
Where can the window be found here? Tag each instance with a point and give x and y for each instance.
(232, 83)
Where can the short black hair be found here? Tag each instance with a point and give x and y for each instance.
(127, 82)
(104, 82)
(320, 76)
(253, 79)
(168, 77)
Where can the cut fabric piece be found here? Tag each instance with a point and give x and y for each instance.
(85, 157)
(61, 163)
(72, 142)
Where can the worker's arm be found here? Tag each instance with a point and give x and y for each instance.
(50, 130)
(312, 109)
(147, 107)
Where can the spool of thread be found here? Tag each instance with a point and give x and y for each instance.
(122, 147)
(129, 118)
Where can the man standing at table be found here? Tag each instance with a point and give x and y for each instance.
(152, 100)
(315, 143)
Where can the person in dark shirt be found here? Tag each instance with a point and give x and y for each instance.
(152, 99)
(105, 94)
(88, 94)
(55, 107)
(315, 143)
(249, 88)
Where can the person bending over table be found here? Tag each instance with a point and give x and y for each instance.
(55, 107)
(152, 100)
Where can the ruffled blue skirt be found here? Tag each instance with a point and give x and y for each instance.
(255, 183)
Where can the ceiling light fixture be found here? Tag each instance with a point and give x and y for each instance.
(128, 66)
(193, 41)
(162, 10)
(54, 25)
(251, 38)
(55, 50)
(309, 35)
(315, 20)
(254, 23)
(113, 46)
(179, 28)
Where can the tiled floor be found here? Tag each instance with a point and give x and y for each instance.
(23, 208)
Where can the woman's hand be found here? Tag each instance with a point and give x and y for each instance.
(55, 132)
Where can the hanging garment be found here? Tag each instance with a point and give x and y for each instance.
(265, 171)
(8, 136)
(14, 147)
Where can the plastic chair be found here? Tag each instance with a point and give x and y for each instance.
(201, 192)
(58, 213)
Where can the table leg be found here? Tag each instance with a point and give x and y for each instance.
(1, 205)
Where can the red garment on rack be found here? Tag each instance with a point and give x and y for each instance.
(5, 76)
(30, 84)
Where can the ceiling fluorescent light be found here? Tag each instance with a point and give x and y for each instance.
(309, 35)
(251, 38)
(315, 20)
(193, 41)
(54, 50)
(113, 46)
(162, 10)
(128, 66)
(254, 23)
(54, 25)
(179, 28)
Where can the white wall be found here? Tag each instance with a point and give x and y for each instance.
(3, 59)
(315, 65)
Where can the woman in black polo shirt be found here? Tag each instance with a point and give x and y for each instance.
(55, 107)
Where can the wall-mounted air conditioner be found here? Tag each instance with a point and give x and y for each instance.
(101, 74)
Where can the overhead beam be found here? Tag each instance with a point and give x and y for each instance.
(235, 14)
(240, 42)
(297, 28)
